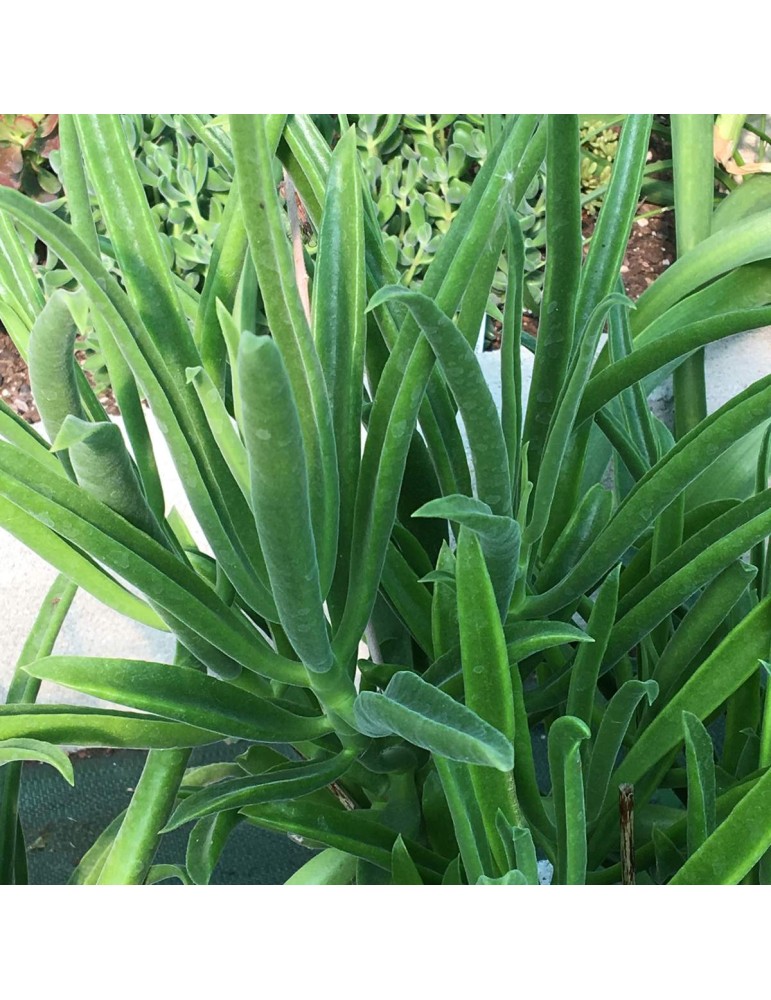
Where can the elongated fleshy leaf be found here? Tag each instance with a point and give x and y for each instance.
(700, 765)
(563, 421)
(180, 694)
(358, 833)
(658, 488)
(281, 499)
(20, 749)
(486, 678)
(94, 727)
(610, 735)
(288, 782)
(272, 257)
(554, 345)
(734, 660)
(467, 383)
(431, 719)
(205, 845)
(403, 869)
(499, 537)
(565, 736)
(339, 325)
(736, 845)
(329, 867)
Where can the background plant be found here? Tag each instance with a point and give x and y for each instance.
(26, 145)
(501, 592)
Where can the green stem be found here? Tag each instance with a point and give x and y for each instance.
(134, 848)
(23, 689)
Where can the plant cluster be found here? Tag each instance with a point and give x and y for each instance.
(26, 145)
(502, 589)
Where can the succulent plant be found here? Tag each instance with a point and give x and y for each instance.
(26, 143)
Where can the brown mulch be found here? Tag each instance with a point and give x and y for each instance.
(14, 381)
(16, 390)
(650, 251)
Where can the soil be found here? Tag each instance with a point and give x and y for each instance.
(16, 391)
(14, 381)
(649, 252)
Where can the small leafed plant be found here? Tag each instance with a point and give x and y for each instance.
(395, 626)
(26, 144)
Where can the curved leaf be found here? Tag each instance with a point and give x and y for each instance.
(21, 749)
(499, 537)
(290, 781)
(421, 714)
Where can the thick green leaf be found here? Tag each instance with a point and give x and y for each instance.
(217, 502)
(136, 842)
(90, 866)
(499, 537)
(403, 869)
(472, 394)
(122, 382)
(486, 679)
(182, 695)
(701, 621)
(205, 845)
(184, 597)
(408, 597)
(587, 521)
(408, 371)
(700, 767)
(519, 847)
(511, 360)
(657, 489)
(554, 346)
(565, 736)
(134, 237)
(587, 665)
(103, 467)
(274, 265)
(563, 420)
(95, 727)
(466, 817)
(52, 364)
(339, 326)
(736, 845)
(746, 241)
(289, 781)
(281, 498)
(444, 607)
(616, 719)
(357, 833)
(329, 867)
(73, 564)
(676, 583)
(653, 356)
(609, 240)
(21, 749)
(421, 714)
(735, 659)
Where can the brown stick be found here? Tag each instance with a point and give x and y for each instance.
(626, 819)
(297, 244)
